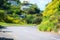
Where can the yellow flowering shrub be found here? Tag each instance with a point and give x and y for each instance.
(16, 21)
(50, 16)
(51, 8)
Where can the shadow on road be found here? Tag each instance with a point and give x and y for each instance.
(6, 38)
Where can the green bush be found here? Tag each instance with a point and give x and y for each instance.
(37, 20)
(2, 15)
(33, 19)
(47, 25)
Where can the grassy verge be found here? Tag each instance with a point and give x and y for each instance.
(10, 24)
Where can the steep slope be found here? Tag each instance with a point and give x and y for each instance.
(51, 16)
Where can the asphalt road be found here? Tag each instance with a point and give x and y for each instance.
(27, 33)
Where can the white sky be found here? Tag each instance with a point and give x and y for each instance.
(41, 3)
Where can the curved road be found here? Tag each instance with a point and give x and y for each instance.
(28, 33)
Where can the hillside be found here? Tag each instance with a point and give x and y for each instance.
(51, 17)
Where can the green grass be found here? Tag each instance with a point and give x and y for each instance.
(11, 24)
(8, 24)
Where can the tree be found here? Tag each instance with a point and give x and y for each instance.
(4, 4)
(5, 7)
(30, 8)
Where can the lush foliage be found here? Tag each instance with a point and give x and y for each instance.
(51, 16)
(13, 11)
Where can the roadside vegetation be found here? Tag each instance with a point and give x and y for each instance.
(51, 17)
(15, 12)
